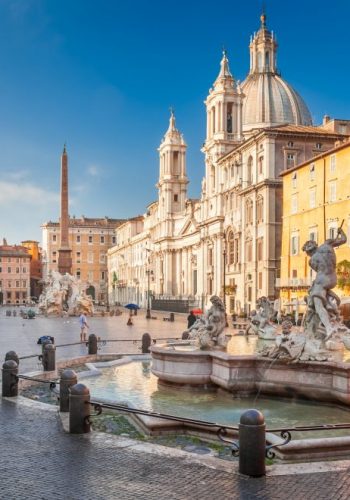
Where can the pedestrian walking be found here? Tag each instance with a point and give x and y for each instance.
(83, 327)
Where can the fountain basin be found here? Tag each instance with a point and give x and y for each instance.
(251, 374)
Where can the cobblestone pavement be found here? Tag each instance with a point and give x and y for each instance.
(40, 461)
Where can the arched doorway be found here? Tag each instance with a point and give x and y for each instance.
(91, 291)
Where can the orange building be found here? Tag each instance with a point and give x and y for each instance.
(36, 267)
(14, 274)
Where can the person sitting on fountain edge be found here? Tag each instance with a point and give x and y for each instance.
(323, 261)
(191, 319)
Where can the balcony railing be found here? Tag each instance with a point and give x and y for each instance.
(293, 282)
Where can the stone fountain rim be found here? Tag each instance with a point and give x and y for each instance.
(165, 349)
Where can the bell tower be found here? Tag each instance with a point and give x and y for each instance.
(224, 120)
(172, 184)
(64, 252)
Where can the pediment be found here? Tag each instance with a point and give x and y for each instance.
(189, 227)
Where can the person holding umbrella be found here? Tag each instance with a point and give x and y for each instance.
(131, 307)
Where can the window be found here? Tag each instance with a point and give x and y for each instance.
(294, 180)
(290, 160)
(312, 198)
(294, 204)
(260, 249)
(90, 258)
(24, 270)
(9, 284)
(0, 271)
(294, 247)
(250, 171)
(249, 250)
(260, 209)
(231, 248)
(78, 238)
(249, 211)
(78, 274)
(114, 240)
(102, 240)
(17, 284)
(90, 240)
(54, 238)
(332, 232)
(313, 235)
(90, 275)
(9, 270)
(176, 197)
(210, 256)
(78, 257)
(24, 283)
(294, 273)
(102, 275)
(312, 172)
(290, 144)
(102, 258)
(229, 118)
(318, 145)
(332, 163)
(260, 281)
(54, 256)
(261, 165)
(17, 270)
(332, 191)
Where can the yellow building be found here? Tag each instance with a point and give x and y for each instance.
(316, 201)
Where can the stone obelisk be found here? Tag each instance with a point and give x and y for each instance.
(64, 252)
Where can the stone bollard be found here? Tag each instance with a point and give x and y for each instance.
(146, 342)
(92, 344)
(252, 443)
(79, 409)
(12, 355)
(9, 379)
(43, 344)
(68, 378)
(49, 358)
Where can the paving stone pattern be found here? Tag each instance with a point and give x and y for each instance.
(40, 461)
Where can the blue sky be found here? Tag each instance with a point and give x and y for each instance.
(101, 75)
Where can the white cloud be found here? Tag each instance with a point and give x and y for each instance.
(25, 193)
(93, 170)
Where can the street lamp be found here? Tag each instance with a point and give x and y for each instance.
(148, 313)
(148, 272)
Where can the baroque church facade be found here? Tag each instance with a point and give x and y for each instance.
(228, 242)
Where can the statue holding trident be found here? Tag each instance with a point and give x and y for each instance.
(322, 302)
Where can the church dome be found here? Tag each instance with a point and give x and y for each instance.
(268, 99)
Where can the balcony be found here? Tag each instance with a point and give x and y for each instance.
(293, 282)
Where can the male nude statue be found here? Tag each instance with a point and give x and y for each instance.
(323, 261)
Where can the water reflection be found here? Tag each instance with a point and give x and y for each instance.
(136, 384)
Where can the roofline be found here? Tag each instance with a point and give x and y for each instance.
(276, 130)
(318, 157)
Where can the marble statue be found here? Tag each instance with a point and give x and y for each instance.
(208, 332)
(322, 329)
(260, 320)
(62, 294)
